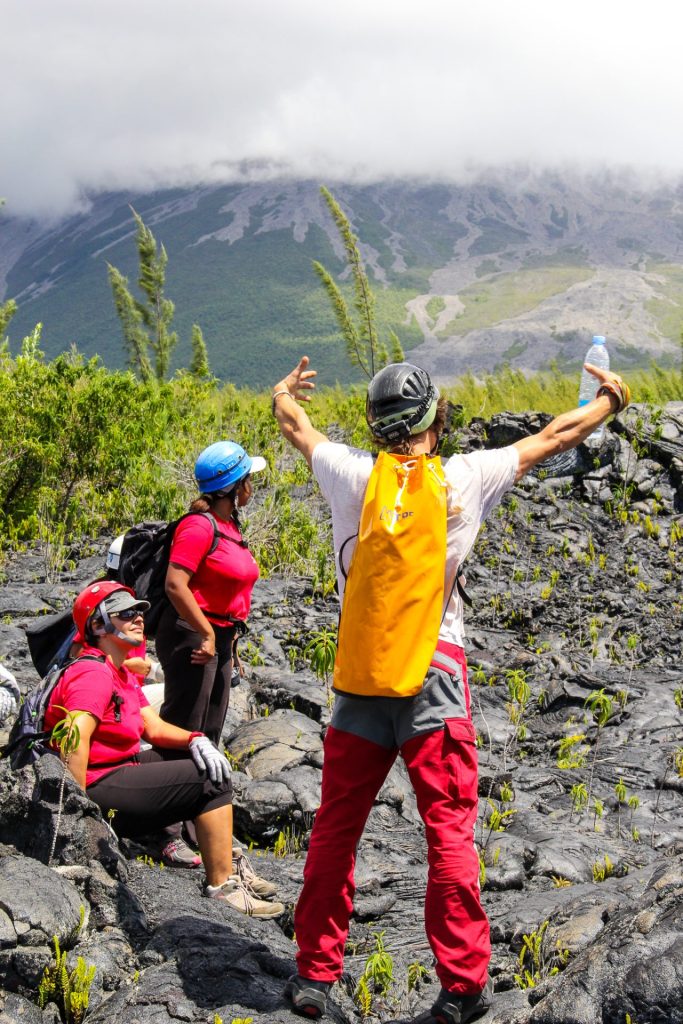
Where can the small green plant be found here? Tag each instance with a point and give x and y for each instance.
(534, 965)
(598, 811)
(379, 966)
(602, 869)
(287, 842)
(570, 754)
(507, 793)
(600, 705)
(498, 820)
(69, 990)
(678, 698)
(579, 797)
(321, 652)
(67, 736)
(559, 882)
(149, 862)
(417, 973)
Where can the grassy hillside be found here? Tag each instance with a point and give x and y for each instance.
(504, 296)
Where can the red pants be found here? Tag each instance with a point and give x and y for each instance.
(443, 771)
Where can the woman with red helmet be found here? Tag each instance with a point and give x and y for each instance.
(183, 776)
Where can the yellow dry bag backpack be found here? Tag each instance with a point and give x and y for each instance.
(393, 599)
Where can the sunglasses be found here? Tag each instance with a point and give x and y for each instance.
(128, 614)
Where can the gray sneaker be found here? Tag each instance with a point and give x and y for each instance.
(180, 855)
(236, 895)
(258, 887)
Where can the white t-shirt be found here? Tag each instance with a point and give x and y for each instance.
(477, 483)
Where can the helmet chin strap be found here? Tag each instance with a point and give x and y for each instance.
(111, 629)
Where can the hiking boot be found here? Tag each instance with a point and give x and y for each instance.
(234, 893)
(180, 855)
(258, 887)
(452, 1008)
(308, 998)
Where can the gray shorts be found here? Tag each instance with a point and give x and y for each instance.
(391, 721)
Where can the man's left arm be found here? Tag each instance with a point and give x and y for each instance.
(571, 428)
(294, 424)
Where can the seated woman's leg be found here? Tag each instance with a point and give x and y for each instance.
(165, 787)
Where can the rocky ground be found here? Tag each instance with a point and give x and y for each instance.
(575, 644)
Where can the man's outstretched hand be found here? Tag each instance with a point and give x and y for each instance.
(299, 381)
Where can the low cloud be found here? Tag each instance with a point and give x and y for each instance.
(146, 95)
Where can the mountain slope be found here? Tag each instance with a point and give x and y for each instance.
(518, 270)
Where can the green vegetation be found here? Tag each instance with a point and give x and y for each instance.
(86, 450)
(507, 295)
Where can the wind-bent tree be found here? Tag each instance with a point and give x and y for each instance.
(146, 324)
(363, 346)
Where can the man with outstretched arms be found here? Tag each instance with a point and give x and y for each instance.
(380, 711)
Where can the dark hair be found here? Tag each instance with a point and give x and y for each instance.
(438, 425)
(205, 502)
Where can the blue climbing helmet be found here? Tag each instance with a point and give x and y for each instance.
(224, 464)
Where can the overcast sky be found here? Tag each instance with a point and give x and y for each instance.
(145, 93)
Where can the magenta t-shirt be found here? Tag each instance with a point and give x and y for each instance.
(89, 686)
(222, 581)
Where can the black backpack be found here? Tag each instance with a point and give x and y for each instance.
(28, 739)
(144, 560)
(49, 640)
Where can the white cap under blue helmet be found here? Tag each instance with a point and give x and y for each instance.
(224, 464)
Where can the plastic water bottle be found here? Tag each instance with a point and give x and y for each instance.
(597, 355)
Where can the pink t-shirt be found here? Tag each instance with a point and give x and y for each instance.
(222, 582)
(90, 686)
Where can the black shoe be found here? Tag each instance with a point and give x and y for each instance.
(308, 998)
(451, 1008)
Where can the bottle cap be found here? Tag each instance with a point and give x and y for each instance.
(598, 339)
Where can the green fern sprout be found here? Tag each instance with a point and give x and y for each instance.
(69, 990)
(363, 996)
(534, 966)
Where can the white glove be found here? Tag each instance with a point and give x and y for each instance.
(209, 759)
(10, 694)
(8, 705)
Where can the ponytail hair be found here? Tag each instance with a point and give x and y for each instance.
(205, 503)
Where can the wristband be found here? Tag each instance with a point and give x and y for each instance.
(619, 389)
(194, 736)
(283, 391)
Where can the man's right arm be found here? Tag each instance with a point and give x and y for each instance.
(293, 421)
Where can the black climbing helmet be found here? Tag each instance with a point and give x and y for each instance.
(401, 402)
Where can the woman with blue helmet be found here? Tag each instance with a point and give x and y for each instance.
(209, 582)
(210, 578)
